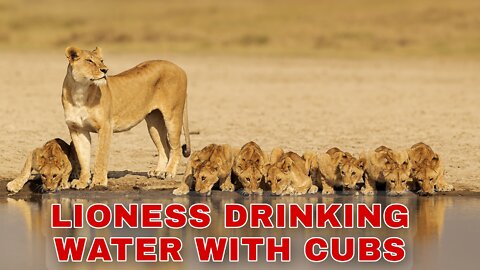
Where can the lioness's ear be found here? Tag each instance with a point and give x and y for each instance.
(72, 53)
(98, 52)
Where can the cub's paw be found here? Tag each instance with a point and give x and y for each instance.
(368, 192)
(445, 187)
(13, 186)
(227, 186)
(157, 174)
(313, 189)
(328, 192)
(64, 185)
(181, 190)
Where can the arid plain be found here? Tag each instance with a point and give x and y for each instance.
(293, 102)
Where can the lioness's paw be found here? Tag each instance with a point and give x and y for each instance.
(227, 186)
(79, 184)
(13, 186)
(445, 187)
(313, 189)
(157, 174)
(182, 190)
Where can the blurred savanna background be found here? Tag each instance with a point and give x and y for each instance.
(344, 28)
(300, 74)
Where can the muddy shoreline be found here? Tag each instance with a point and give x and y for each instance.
(138, 186)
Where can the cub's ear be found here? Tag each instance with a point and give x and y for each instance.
(361, 163)
(72, 53)
(435, 157)
(287, 165)
(98, 52)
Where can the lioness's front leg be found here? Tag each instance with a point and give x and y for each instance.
(101, 161)
(187, 183)
(82, 140)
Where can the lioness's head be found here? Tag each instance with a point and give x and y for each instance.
(279, 175)
(206, 176)
(352, 171)
(396, 172)
(86, 67)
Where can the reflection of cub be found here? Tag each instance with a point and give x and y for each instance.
(335, 167)
(206, 167)
(249, 167)
(287, 174)
(427, 169)
(54, 163)
(388, 166)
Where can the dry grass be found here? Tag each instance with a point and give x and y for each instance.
(346, 28)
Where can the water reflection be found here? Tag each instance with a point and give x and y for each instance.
(27, 237)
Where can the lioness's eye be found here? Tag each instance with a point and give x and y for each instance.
(403, 181)
(43, 176)
(90, 61)
(55, 175)
(353, 173)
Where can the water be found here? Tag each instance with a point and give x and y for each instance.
(443, 233)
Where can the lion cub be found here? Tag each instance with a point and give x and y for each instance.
(335, 167)
(211, 165)
(287, 174)
(249, 167)
(385, 165)
(427, 170)
(54, 162)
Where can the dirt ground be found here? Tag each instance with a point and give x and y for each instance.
(296, 103)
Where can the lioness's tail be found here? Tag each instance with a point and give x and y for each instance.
(186, 150)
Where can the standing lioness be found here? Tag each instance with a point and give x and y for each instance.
(154, 90)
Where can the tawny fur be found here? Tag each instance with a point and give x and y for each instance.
(287, 174)
(207, 167)
(427, 169)
(334, 168)
(154, 91)
(385, 165)
(54, 162)
(249, 167)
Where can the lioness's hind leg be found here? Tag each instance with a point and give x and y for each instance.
(174, 129)
(158, 133)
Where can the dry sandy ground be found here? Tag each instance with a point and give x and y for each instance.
(298, 104)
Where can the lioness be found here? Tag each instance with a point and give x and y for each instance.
(287, 174)
(249, 167)
(385, 165)
(211, 165)
(427, 170)
(154, 90)
(54, 162)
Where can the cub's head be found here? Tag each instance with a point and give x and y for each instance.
(51, 168)
(352, 171)
(396, 172)
(206, 176)
(249, 166)
(279, 175)
(86, 67)
(426, 173)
